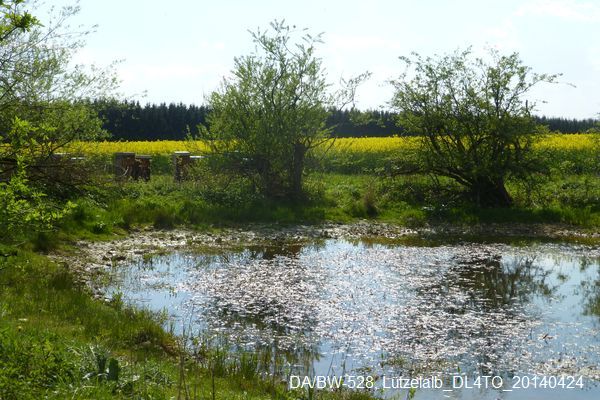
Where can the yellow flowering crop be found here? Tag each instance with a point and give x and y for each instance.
(138, 147)
(359, 145)
(577, 141)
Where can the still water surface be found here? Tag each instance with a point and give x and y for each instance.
(337, 307)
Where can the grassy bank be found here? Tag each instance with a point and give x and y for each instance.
(57, 342)
(412, 201)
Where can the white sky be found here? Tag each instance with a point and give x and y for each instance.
(179, 50)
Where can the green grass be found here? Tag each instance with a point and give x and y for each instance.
(53, 334)
(409, 200)
(343, 185)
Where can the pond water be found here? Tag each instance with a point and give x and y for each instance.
(337, 307)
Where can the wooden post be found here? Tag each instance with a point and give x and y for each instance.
(181, 160)
(124, 165)
(143, 167)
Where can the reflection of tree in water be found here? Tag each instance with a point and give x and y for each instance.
(272, 250)
(265, 298)
(298, 360)
(266, 359)
(493, 283)
(480, 301)
(291, 250)
(266, 316)
(591, 289)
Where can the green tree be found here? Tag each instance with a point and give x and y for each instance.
(267, 117)
(473, 117)
(44, 106)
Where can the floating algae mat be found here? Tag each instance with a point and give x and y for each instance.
(527, 315)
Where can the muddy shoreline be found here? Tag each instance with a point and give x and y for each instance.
(90, 260)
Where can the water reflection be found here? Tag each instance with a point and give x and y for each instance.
(493, 282)
(289, 250)
(591, 290)
(336, 305)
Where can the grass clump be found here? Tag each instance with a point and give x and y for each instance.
(57, 342)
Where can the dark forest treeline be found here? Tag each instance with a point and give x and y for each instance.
(566, 125)
(132, 121)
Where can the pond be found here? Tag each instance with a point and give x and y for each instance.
(527, 315)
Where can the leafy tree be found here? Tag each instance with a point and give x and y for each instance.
(269, 115)
(43, 107)
(474, 119)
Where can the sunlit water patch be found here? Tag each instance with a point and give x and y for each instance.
(341, 306)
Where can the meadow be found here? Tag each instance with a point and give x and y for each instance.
(356, 178)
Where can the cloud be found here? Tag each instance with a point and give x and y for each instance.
(570, 10)
(170, 82)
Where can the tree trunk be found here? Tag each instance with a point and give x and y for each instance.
(488, 192)
(297, 171)
(269, 180)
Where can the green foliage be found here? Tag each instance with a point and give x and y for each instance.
(56, 342)
(42, 109)
(14, 19)
(38, 84)
(272, 112)
(23, 207)
(477, 128)
(228, 190)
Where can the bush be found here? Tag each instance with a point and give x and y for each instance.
(164, 219)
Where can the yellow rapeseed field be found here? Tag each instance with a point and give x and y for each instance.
(568, 142)
(138, 147)
(362, 145)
